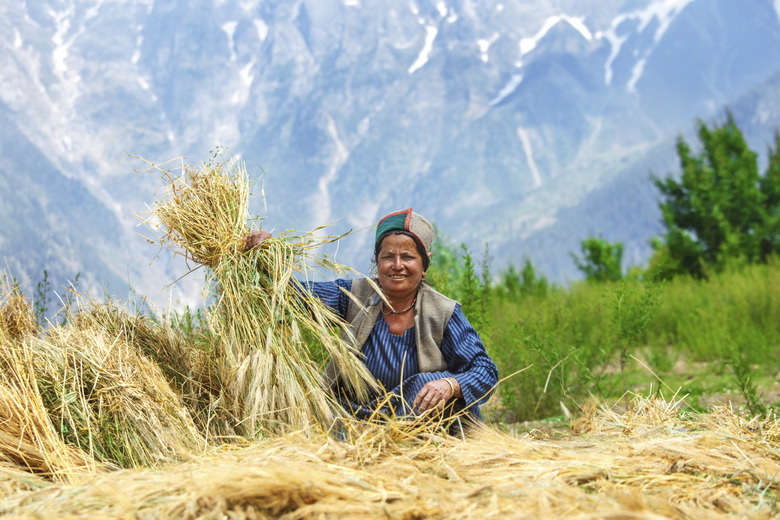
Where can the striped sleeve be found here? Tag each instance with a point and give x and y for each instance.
(331, 294)
(467, 360)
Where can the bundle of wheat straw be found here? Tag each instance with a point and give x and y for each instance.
(271, 381)
(110, 400)
(184, 363)
(16, 481)
(28, 440)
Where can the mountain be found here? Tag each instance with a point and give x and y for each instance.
(528, 126)
(51, 222)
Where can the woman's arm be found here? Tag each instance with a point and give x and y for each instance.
(470, 369)
(330, 293)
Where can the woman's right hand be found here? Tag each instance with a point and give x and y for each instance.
(255, 238)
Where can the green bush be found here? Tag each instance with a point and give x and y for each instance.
(606, 339)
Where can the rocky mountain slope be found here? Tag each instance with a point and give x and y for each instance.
(526, 125)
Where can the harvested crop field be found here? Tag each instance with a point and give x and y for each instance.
(113, 414)
(652, 462)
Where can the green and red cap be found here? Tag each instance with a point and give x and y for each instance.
(407, 220)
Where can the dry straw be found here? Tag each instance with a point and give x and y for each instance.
(28, 440)
(184, 361)
(81, 395)
(110, 389)
(263, 326)
(653, 464)
(110, 400)
(17, 320)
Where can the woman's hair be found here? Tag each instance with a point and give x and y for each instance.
(426, 261)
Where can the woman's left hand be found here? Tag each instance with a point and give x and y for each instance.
(255, 238)
(435, 394)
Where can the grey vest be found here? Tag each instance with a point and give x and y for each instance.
(432, 312)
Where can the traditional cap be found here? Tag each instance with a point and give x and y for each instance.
(406, 220)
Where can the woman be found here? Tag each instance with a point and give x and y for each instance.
(415, 341)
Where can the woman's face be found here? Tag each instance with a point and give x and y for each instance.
(400, 266)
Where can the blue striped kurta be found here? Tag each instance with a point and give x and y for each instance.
(392, 358)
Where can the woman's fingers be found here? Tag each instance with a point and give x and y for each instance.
(255, 238)
(433, 395)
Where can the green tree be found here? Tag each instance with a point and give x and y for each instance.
(513, 285)
(721, 210)
(601, 261)
(455, 275)
(770, 189)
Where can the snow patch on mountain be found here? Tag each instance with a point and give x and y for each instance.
(322, 202)
(262, 28)
(430, 35)
(529, 154)
(241, 94)
(139, 40)
(92, 11)
(60, 51)
(615, 42)
(664, 12)
(636, 73)
(510, 87)
(542, 222)
(529, 44)
(229, 28)
(484, 46)
(453, 17)
(247, 78)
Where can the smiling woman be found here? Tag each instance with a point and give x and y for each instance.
(414, 340)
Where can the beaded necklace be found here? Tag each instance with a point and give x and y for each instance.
(385, 310)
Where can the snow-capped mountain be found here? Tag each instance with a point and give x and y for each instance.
(525, 125)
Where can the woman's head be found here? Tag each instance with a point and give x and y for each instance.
(410, 224)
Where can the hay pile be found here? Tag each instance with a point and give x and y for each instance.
(81, 396)
(650, 463)
(16, 315)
